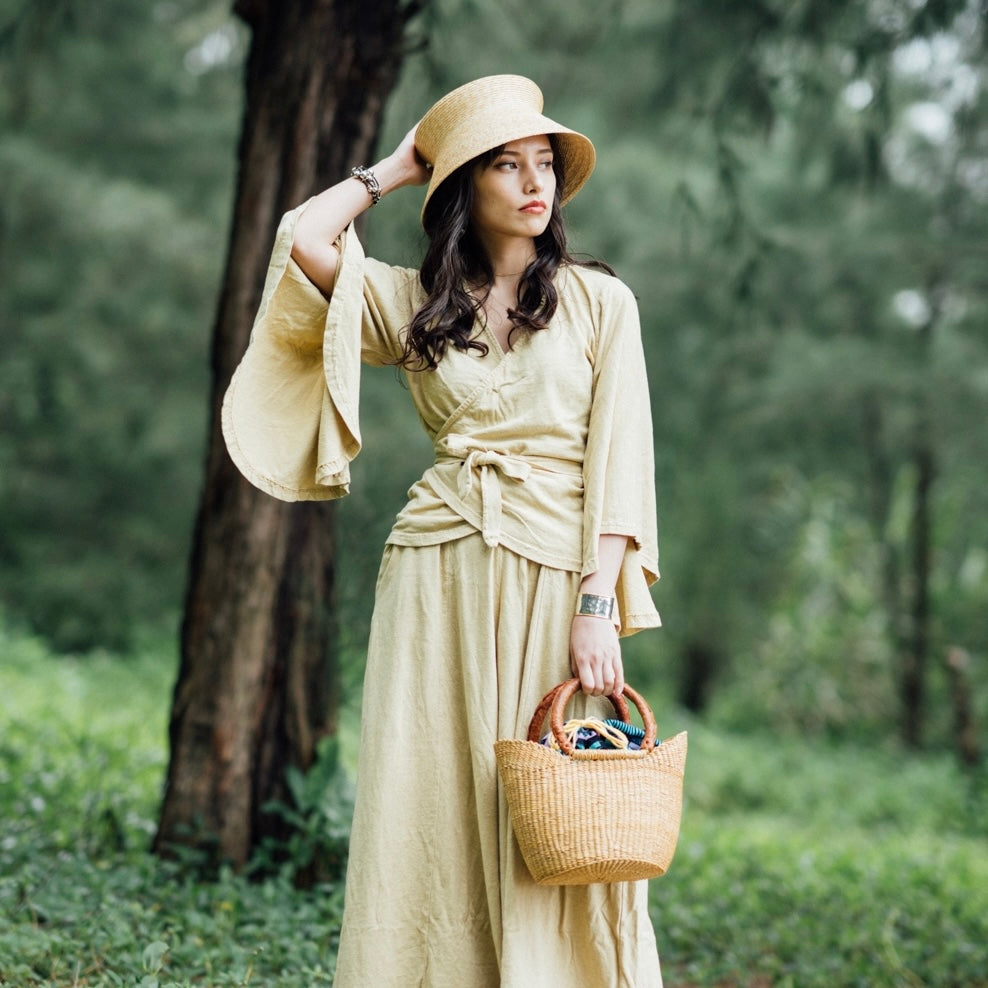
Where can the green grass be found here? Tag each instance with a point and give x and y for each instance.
(82, 756)
(799, 864)
(809, 866)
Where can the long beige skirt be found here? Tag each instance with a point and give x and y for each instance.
(464, 642)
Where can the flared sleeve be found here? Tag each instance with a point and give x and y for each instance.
(290, 415)
(619, 473)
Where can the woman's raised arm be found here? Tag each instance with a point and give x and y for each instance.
(330, 212)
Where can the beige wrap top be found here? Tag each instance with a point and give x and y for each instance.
(541, 448)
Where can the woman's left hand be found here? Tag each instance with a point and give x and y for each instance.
(595, 656)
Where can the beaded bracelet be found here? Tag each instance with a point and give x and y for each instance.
(370, 181)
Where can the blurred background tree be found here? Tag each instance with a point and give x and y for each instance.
(795, 191)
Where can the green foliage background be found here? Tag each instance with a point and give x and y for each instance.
(793, 190)
(116, 158)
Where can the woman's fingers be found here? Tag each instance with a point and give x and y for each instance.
(416, 170)
(596, 656)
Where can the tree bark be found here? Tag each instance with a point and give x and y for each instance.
(258, 681)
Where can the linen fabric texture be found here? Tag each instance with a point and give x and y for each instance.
(537, 452)
(557, 432)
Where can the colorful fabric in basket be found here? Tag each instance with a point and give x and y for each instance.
(592, 734)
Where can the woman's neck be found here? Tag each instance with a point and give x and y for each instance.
(509, 258)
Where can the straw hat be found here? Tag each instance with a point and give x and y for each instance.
(487, 113)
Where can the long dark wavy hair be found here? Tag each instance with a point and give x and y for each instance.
(456, 258)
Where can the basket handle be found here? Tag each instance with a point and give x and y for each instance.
(545, 704)
(565, 692)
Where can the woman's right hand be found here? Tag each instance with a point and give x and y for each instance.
(327, 214)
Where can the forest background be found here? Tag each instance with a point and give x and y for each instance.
(795, 192)
(799, 203)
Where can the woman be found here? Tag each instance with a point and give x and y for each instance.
(521, 554)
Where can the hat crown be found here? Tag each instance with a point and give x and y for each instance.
(473, 109)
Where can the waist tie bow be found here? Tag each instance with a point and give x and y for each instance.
(490, 464)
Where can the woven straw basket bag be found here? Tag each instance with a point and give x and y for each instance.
(596, 815)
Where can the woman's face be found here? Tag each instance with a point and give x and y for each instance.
(512, 197)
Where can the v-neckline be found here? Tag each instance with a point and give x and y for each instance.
(492, 336)
(497, 343)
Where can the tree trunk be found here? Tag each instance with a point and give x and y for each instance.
(905, 582)
(957, 662)
(258, 682)
(916, 656)
(700, 665)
